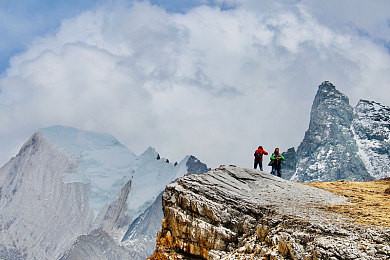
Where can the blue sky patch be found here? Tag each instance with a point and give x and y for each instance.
(23, 20)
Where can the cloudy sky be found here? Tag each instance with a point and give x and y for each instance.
(212, 78)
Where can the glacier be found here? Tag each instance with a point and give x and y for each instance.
(150, 178)
(106, 165)
(102, 162)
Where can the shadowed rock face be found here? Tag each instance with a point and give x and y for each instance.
(235, 213)
(289, 164)
(194, 166)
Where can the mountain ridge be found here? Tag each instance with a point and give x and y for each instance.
(66, 184)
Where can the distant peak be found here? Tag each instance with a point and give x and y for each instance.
(327, 82)
(150, 151)
(195, 166)
(327, 86)
(76, 140)
(193, 158)
(328, 92)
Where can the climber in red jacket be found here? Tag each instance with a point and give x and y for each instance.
(259, 157)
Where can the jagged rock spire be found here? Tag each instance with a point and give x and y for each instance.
(328, 151)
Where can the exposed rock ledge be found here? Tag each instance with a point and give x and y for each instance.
(235, 213)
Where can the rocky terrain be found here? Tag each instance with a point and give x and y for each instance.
(235, 213)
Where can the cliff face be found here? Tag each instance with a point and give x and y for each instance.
(234, 213)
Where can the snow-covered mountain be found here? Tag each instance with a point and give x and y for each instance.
(140, 238)
(343, 142)
(139, 241)
(68, 188)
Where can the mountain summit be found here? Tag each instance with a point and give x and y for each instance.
(343, 142)
(329, 151)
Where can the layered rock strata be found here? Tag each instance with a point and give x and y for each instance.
(235, 213)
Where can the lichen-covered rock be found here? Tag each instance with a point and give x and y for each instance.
(235, 213)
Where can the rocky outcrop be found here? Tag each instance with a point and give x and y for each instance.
(235, 213)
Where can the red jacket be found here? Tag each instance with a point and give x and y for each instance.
(261, 152)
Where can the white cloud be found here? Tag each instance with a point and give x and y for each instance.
(210, 82)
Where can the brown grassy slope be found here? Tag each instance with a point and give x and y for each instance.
(371, 200)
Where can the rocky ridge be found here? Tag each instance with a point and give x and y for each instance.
(235, 213)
